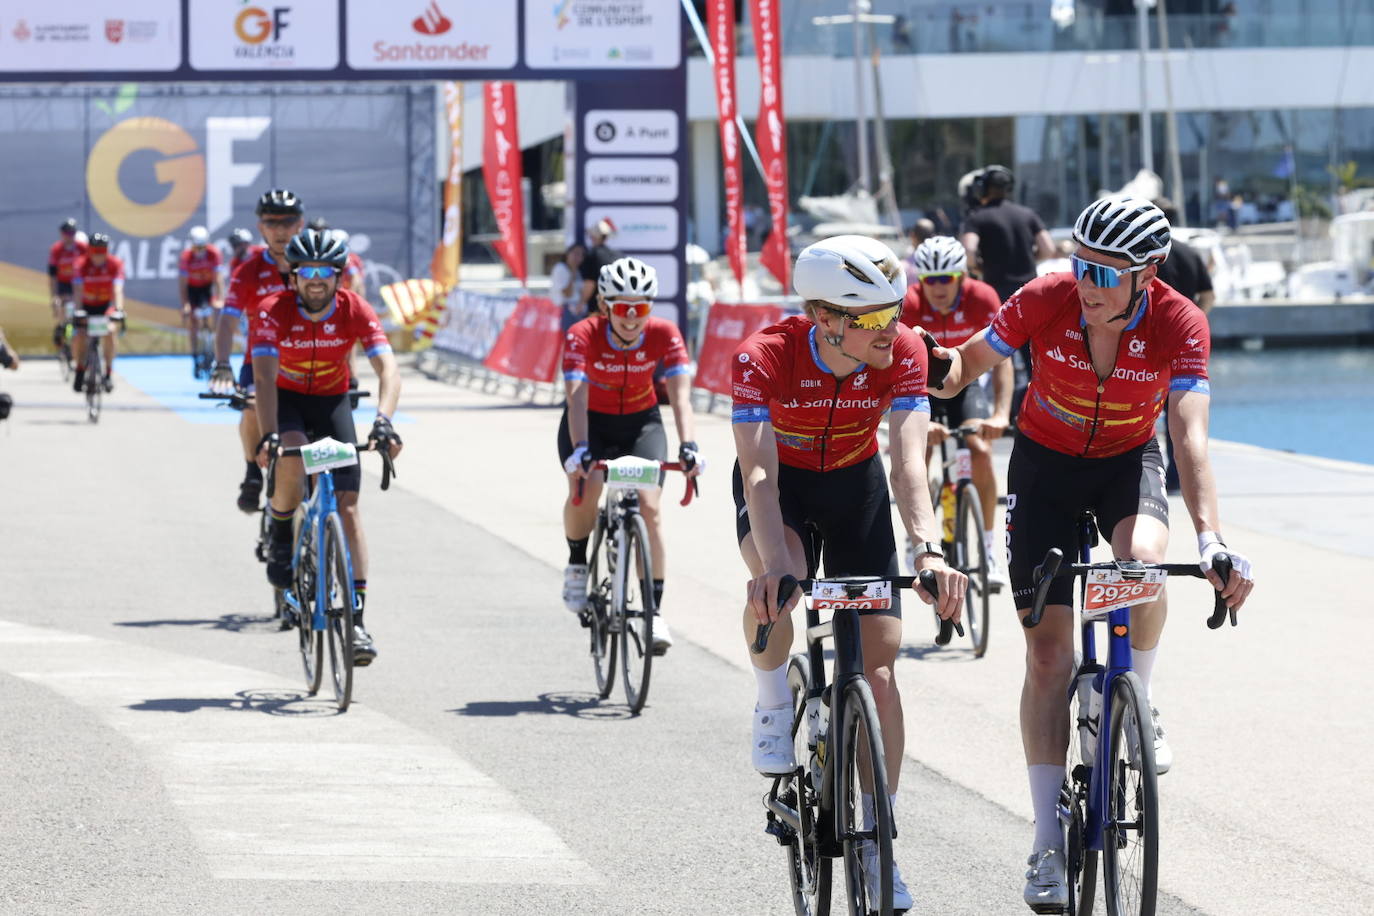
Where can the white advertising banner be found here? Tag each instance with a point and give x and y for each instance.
(419, 34)
(629, 178)
(603, 34)
(653, 130)
(247, 36)
(78, 35)
(640, 228)
(666, 265)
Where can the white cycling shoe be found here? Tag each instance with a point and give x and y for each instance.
(901, 897)
(1047, 889)
(663, 637)
(772, 751)
(997, 566)
(1164, 755)
(575, 587)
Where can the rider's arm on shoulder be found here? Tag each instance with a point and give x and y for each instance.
(972, 358)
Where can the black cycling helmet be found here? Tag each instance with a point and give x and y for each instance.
(315, 247)
(279, 202)
(240, 236)
(319, 224)
(995, 176)
(68, 225)
(99, 240)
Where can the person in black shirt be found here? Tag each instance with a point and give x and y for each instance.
(1186, 272)
(598, 256)
(1002, 236)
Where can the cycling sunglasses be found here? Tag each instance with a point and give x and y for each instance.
(281, 221)
(631, 309)
(876, 320)
(939, 279)
(316, 273)
(1103, 277)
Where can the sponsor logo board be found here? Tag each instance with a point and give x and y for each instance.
(666, 265)
(638, 179)
(602, 34)
(640, 228)
(427, 34)
(651, 130)
(37, 36)
(292, 35)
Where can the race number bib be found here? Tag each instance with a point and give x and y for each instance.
(1108, 591)
(631, 473)
(963, 464)
(877, 596)
(97, 325)
(328, 454)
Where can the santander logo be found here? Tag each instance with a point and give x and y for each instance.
(432, 21)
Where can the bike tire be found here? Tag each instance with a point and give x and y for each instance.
(1130, 840)
(338, 593)
(93, 382)
(636, 613)
(310, 640)
(599, 590)
(860, 750)
(1081, 862)
(808, 871)
(64, 360)
(972, 560)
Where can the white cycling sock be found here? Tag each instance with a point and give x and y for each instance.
(773, 691)
(868, 813)
(1143, 661)
(1045, 782)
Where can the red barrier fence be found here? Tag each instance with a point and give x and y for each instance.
(726, 328)
(530, 341)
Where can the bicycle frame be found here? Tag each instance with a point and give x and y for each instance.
(318, 507)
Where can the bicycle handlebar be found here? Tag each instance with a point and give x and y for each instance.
(241, 400)
(388, 466)
(789, 584)
(1054, 567)
(692, 489)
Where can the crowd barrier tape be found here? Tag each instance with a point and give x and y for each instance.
(726, 328)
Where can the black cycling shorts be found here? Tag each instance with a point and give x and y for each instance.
(198, 295)
(64, 287)
(319, 416)
(612, 435)
(102, 308)
(1048, 490)
(970, 403)
(848, 507)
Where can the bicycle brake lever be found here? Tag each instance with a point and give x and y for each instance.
(786, 586)
(931, 584)
(1221, 565)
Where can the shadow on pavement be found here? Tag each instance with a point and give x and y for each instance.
(233, 623)
(578, 705)
(933, 653)
(272, 701)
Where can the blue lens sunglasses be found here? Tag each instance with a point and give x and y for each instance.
(1103, 277)
(318, 273)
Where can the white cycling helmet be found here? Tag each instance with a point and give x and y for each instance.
(849, 270)
(627, 277)
(940, 254)
(1127, 227)
(200, 235)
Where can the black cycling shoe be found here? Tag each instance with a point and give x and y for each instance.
(364, 651)
(279, 564)
(249, 491)
(108, 384)
(79, 383)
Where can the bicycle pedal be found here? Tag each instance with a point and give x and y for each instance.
(784, 834)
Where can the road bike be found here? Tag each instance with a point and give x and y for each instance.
(817, 811)
(960, 507)
(1109, 803)
(320, 602)
(93, 366)
(619, 613)
(62, 339)
(203, 349)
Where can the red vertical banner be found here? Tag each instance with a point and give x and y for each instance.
(770, 134)
(721, 19)
(502, 172)
(443, 267)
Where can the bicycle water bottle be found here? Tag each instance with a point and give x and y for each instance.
(947, 509)
(1089, 688)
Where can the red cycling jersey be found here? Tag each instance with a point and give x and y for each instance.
(255, 279)
(248, 253)
(973, 310)
(312, 353)
(822, 423)
(353, 274)
(98, 281)
(620, 380)
(1163, 349)
(199, 266)
(62, 260)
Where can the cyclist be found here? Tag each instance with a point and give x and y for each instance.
(609, 360)
(201, 282)
(809, 393)
(280, 214)
(63, 257)
(300, 343)
(1112, 346)
(951, 306)
(99, 284)
(241, 248)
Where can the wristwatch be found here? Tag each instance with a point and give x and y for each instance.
(930, 547)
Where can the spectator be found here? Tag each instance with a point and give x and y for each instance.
(563, 286)
(598, 256)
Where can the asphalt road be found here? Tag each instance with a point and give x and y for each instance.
(158, 756)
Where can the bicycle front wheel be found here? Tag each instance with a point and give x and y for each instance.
(1130, 842)
(636, 612)
(598, 611)
(971, 558)
(1081, 862)
(808, 870)
(309, 639)
(862, 807)
(338, 592)
(94, 386)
